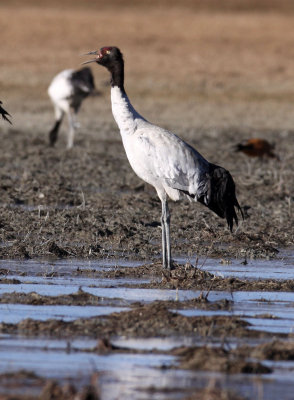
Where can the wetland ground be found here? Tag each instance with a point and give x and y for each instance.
(79, 231)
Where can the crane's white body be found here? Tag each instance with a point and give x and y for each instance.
(162, 159)
(61, 90)
(67, 96)
(158, 156)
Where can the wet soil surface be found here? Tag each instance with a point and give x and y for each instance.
(52, 390)
(199, 333)
(86, 308)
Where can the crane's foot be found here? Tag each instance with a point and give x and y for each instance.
(52, 137)
(168, 266)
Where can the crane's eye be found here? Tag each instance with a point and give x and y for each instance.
(107, 51)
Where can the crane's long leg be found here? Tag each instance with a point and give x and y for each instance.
(164, 259)
(53, 134)
(71, 131)
(165, 225)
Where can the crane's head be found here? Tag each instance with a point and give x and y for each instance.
(107, 56)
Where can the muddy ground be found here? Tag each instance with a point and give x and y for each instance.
(214, 87)
(213, 75)
(51, 390)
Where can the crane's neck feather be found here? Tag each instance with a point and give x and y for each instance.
(126, 117)
(117, 74)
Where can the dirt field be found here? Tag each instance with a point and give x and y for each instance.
(213, 75)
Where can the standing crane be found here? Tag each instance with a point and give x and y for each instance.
(165, 161)
(67, 91)
(4, 113)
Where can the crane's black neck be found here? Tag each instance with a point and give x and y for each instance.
(117, 75)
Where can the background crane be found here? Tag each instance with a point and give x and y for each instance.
(67, 91)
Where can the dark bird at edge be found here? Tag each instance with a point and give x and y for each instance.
(4, 113)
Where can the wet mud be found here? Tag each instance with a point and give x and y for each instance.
(220, 334)
(143, 321)
(52, 390)
(218, 360)
(232, 354)
(186, 276)
(49, 389)
(80, 298)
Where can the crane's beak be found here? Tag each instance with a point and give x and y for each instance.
(90, 61)
(91, 53)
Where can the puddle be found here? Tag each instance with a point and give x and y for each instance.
(46, 290)
(122, 374)
(270, 325)
(81, 280)
(145, 295)
(65, 267)
(162, 344)
(128, 294)
(280, 268)
(278, 317)
(64, 364)
(131, 376)
(249, 309)
(15, 342)
(128, 375)
(14, 313)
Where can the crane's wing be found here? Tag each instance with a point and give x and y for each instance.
(179, 166)
(174, 162)
(83, 80)
(167, 162)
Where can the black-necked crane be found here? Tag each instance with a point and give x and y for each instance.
(67, 91)
(4, 113)
(165, 161)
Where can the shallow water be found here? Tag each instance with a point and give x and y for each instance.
(81, 280)
(14, 313)
(66, 266)
(59, 360)
(280, 268)
(130, 376)
(278, 317)
(146, 295)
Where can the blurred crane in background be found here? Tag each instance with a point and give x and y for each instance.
(67, 91)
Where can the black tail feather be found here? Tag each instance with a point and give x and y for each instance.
(83, 80)
(4, 114)
(221, 195)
